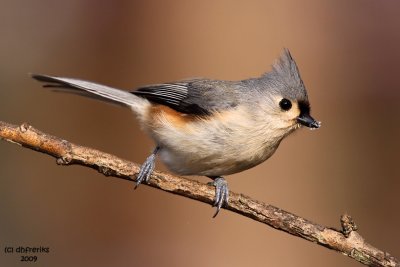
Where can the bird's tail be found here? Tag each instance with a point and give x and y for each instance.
(94, 90)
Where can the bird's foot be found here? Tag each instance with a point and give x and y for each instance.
(221, 192)
(147, 168)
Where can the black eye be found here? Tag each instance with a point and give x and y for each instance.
(285, 104)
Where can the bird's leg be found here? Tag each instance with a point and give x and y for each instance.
(221, 192)
(147, 168)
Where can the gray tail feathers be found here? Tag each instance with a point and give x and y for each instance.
(92, 90)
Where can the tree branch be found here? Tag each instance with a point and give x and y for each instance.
(347, 241)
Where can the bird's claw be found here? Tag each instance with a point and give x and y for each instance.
(146, 169)
(221, 193)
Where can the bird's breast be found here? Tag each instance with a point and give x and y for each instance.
(223, 143)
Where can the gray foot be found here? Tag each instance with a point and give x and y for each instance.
(221, 192)
(147, 168)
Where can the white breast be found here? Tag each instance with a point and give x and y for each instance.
(225, 143)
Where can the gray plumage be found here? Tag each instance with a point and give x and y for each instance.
(203, 96)
(198, 96)
(212, 127)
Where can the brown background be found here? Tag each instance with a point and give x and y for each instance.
(348, 54)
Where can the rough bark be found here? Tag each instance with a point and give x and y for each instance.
(346, 241)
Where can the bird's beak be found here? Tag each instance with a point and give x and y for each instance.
(306, 120)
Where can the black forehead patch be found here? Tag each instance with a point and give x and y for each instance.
(304, 107)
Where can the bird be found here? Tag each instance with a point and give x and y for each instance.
(210, 127)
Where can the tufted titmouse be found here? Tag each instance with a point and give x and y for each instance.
(211, 127)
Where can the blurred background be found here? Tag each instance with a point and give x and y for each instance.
(348, 54)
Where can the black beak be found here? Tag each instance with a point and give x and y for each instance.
(306, 120)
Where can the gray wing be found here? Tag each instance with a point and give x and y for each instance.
(198, 97)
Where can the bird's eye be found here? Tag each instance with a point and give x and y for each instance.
(285, 104)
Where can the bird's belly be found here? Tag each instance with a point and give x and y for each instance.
(222, 145)
(205, 152)
(207, 163)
